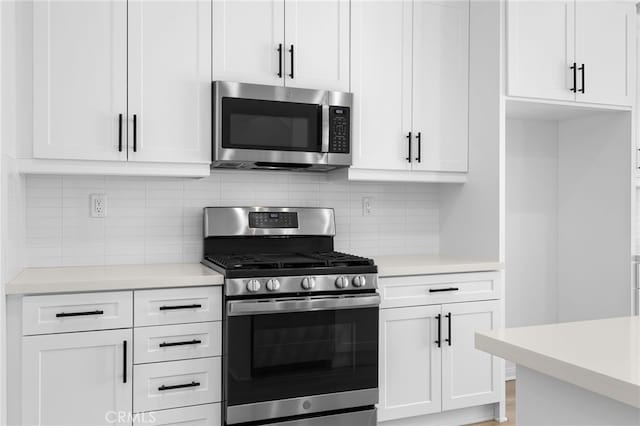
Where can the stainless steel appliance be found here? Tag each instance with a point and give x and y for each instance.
(274, 127)
(301, 320)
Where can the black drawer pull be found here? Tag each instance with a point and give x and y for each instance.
(78, 314)
(450, 339)
(409, 139)
(172, 308)
(439, 341)
(186, 385)
(438, 290)
(190, 342)
(574, 68)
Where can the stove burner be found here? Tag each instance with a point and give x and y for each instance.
(288, 260)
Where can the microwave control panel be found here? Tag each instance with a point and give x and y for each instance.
(339, 130)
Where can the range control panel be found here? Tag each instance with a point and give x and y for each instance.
(273, 219)
(339, 130)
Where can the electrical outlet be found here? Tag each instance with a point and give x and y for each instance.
(98, 205)
(367, 206)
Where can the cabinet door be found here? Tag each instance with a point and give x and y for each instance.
(469, 376)
(246, 36)
(441, 85)
(79, 79)
(540, 48)
(381, 79)
(604, 44)
(409, 362)
(76, 378)
(318, 30)
(170, 81)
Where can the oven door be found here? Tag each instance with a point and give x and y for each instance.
(289, 357)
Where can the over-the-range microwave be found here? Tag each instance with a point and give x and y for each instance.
(275, 127)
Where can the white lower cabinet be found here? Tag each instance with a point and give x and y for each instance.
(199, 415)
(156, 374)
(76, 378)
(469, 377)
(428, 362)
(410, 362)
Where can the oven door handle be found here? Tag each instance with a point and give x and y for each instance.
(301, 304)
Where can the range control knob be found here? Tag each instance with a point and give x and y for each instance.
(273, 285)
(253, 286)
(359, 281)
(308, 283)
(342, 282)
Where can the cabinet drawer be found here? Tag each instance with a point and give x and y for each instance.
(178, 306)
(63, 313)
(436, 289)
(176, 384)
(200, 415)
(175, 342)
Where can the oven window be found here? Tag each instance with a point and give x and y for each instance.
(270, 125)
(279, 356)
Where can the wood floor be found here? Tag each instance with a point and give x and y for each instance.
(511, 407)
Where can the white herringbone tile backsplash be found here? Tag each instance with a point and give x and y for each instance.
(157, 220)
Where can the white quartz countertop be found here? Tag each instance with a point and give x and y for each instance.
(391, 266)
(602, 356)
(117, 277)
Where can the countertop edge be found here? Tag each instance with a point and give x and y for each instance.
(610, 387)
(399, 271)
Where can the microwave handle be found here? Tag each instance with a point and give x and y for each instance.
(300, 304)
(325, 129)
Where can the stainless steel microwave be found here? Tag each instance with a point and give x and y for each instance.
(274, 127)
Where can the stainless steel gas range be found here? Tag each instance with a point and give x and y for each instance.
(301, 320)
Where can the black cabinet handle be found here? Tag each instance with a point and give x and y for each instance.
(582, 74)
(575, 77)
(119, 132)
(78, 314)
(171, 308)
(124, 361)
(438, 290)
(190, 342)
(419, 139)
(135, 133)
(449, 340)
(409, 139)
(186, 385)
(280, 60)
(439, 341)
(291, 52)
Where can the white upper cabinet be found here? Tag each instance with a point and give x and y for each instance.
(76, 379)
(170, 81)
(318, 33)
(469, 376)
(410, 362)
(540, 43)
(381, 82)
(440, 85)
(605, 40)
(574, 50)
(79, 79)
(297, 43)
(247, 36)
(100, 65)
(410, 78)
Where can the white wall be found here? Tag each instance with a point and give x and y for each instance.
(531, 222)
(152, 220)
(11, 184)
(594, 217)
